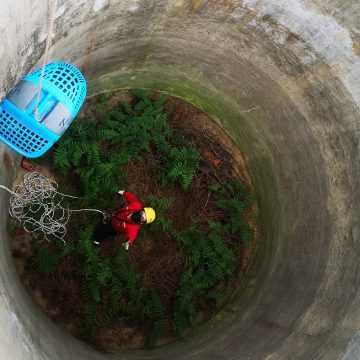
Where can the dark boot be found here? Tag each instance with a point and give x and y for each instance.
(101, 232)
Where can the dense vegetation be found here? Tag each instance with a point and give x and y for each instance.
(91, 158)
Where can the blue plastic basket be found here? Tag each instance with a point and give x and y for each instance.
(62, 95)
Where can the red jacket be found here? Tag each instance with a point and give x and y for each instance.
(120, 221)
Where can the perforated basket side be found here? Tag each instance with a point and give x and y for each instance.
(20, 137)
(63, 79)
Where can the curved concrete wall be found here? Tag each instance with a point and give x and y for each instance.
(283, 78)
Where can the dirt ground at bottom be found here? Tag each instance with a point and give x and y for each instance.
(158, 260)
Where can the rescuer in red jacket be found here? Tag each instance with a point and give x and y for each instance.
(126, 220)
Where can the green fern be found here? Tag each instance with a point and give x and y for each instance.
(91, 289)
(108, 134)
(107, 318)
(126, 107)
(163, 222)
(68, 249)
(207, 261)
(100, 105)
(214, 296)
(85, 245)
(45, 261)
(90, 313)
(157, 316)
(62, 155)
(93, 152)
(104, 274)
(234, 198)
(178, 164)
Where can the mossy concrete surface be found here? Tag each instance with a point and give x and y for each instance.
(281, 77)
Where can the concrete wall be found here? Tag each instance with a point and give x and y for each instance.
(282, 77)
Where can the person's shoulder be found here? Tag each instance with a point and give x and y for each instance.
(130, 196)
(133, 201)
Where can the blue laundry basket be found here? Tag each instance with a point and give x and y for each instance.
(62, 94)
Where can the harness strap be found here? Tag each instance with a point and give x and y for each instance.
(122, 211)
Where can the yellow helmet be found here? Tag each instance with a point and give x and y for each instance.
(150, 214)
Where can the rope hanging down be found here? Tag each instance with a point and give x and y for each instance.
(36, 203)
(47, 47)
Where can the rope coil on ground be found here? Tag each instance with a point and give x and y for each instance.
(37, 204)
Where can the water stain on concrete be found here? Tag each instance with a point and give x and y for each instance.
(251, 15)
(197, 4)
(229, 4)
(7, 161)
(356, 48)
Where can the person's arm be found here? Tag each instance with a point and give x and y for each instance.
(124, 239)
(131, 233)
(130, 198)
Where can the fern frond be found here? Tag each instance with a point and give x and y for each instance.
(90, 312)
(104, 274)
(91, 290)
(107, 318)
(127, 108)
(69, 248)
(61, 157)
(107, 134)
(45, 261)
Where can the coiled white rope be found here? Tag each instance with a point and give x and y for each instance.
(36, 204)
